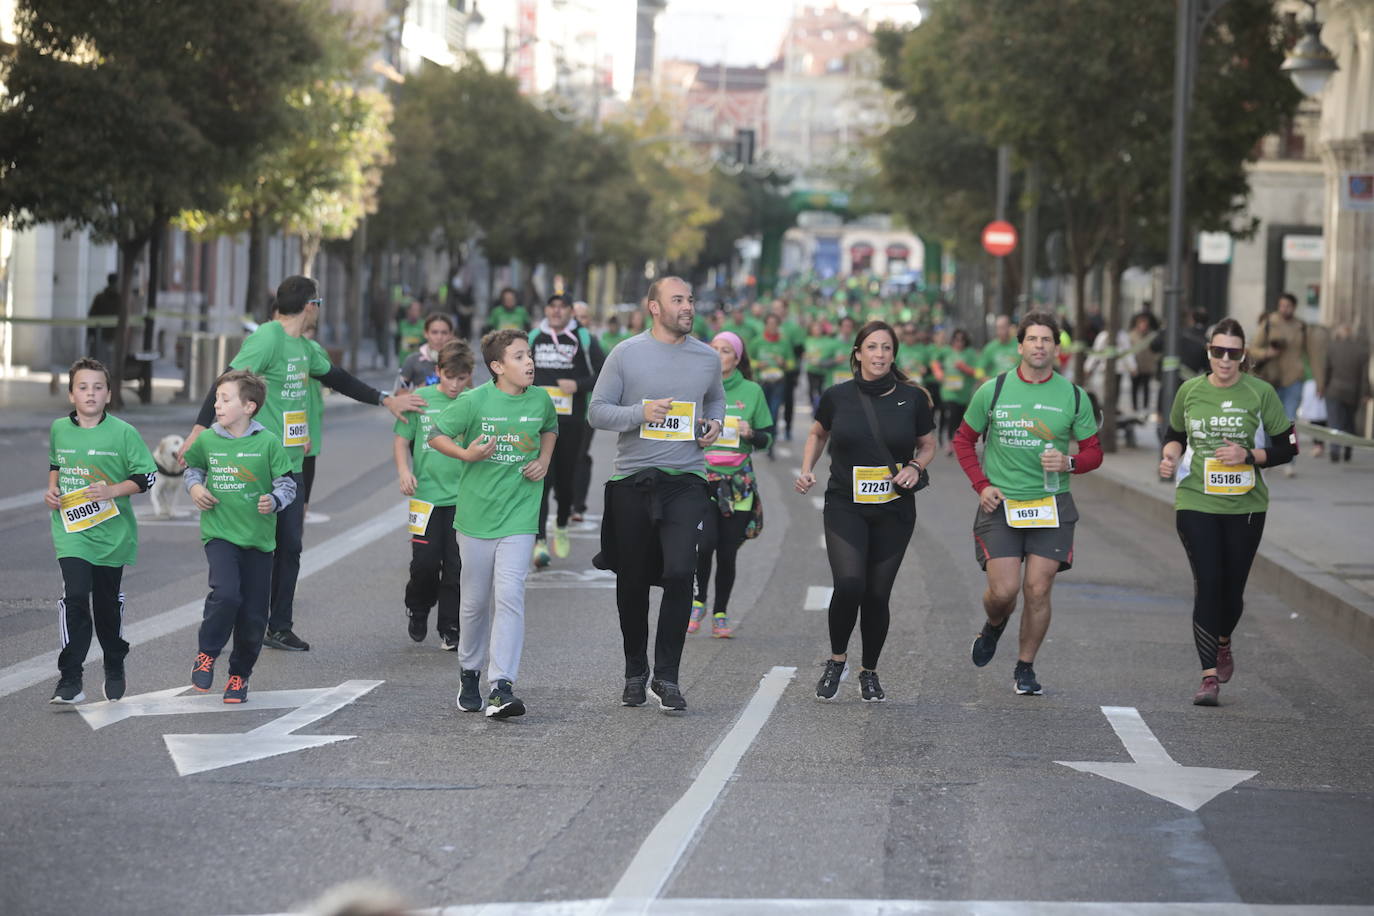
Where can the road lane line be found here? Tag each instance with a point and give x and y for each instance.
(662, 849)
(32, 500)
(818, 597)
(22, 675)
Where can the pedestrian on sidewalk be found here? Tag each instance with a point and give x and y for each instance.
(95, 463)
(662, 392)
(1347, 384)
(880, 427)
(1284, 350)
(1221, 499)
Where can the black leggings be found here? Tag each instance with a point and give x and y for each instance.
(1140, 391)
(865, 547)
(954, 415)
(721, 537)
(562, 475)
(1220, 549)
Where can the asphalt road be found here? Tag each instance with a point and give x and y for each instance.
(950, 792)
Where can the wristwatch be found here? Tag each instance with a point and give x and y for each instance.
(1250, 457)
(1073, 463)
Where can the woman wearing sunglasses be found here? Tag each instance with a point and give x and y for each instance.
(1216, 424)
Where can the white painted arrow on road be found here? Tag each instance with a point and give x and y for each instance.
(198, 753)
(172, 703)
(1154, 771)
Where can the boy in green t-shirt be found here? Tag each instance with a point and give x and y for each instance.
(431, 481)
(228, 469)
(510, 429)
(95, 463)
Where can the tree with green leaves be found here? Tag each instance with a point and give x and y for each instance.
(121, 115)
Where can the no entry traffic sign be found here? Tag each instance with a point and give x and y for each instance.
(999, 238)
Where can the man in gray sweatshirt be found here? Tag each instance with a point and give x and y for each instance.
(661, 390)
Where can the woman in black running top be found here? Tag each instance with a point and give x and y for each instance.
(870, 507)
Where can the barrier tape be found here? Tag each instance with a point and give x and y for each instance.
(112, 321)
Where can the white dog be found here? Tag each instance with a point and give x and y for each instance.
(167, 487)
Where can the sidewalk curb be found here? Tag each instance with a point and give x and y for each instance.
(1346, 611)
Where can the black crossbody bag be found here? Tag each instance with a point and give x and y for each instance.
(921, 482)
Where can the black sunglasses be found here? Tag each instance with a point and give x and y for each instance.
(1236, 354)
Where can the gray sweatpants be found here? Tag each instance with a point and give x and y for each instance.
(494, 571)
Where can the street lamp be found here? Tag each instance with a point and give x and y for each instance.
(1310, 63)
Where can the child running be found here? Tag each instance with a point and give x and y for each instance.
(227, 469)
(510, 430)
(430, 479)
(95, 463)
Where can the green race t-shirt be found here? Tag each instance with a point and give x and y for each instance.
(495, 500)
(501, 319)
(998, 357)
(771, 358)
(436, 475)
(609, 340)
(911, 359)
(957, 388)
(412, 335)
(1210, 416)
(285, 364)
(238, 472)
(1026, 417)
(743, 399)
(109, 452)
(314, 407)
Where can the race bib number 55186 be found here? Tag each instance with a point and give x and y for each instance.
(1221, 479)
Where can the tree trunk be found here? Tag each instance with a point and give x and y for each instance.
(154, 277)
(310, 249)
(1080, 315)
(255, 294)
(129, 250)
(353, 291)
(1111, 387)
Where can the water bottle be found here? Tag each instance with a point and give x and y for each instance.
(1051, 477)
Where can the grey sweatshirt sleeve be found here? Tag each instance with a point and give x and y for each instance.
(192, 477)
(283, 492)
(605, 410)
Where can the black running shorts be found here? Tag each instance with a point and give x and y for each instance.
(994, 538)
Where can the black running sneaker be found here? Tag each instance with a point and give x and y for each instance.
(469, 692)
(634, 694)
(670, 698)
(114, 681)
(236, 691)
(985, 643)
(502, 703)
(68, 692)
(285, 639)
(416, 624)
(448, 642)
(829, 684)
(871, 691)
(203, 672)
(1024, 681)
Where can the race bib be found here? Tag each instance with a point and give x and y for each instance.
(840, 376)
(873, 485)
(954, 383)
(80, 512)
(295, 428)
(1221, 479)
(418, 516)
(771, 374)
(562, 402)
(678, 426)
(1032, 513)
(729, 433)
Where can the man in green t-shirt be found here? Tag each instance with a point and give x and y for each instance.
(279, 354)
(430, 480)
(1002, 353)
(505, 430)
(1025, 513)
(95, 463)
(508, 313)
(239, 477)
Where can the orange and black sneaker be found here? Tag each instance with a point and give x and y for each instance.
(236, 691)
(203, 672)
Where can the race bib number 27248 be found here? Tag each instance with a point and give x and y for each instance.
(678, 426)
